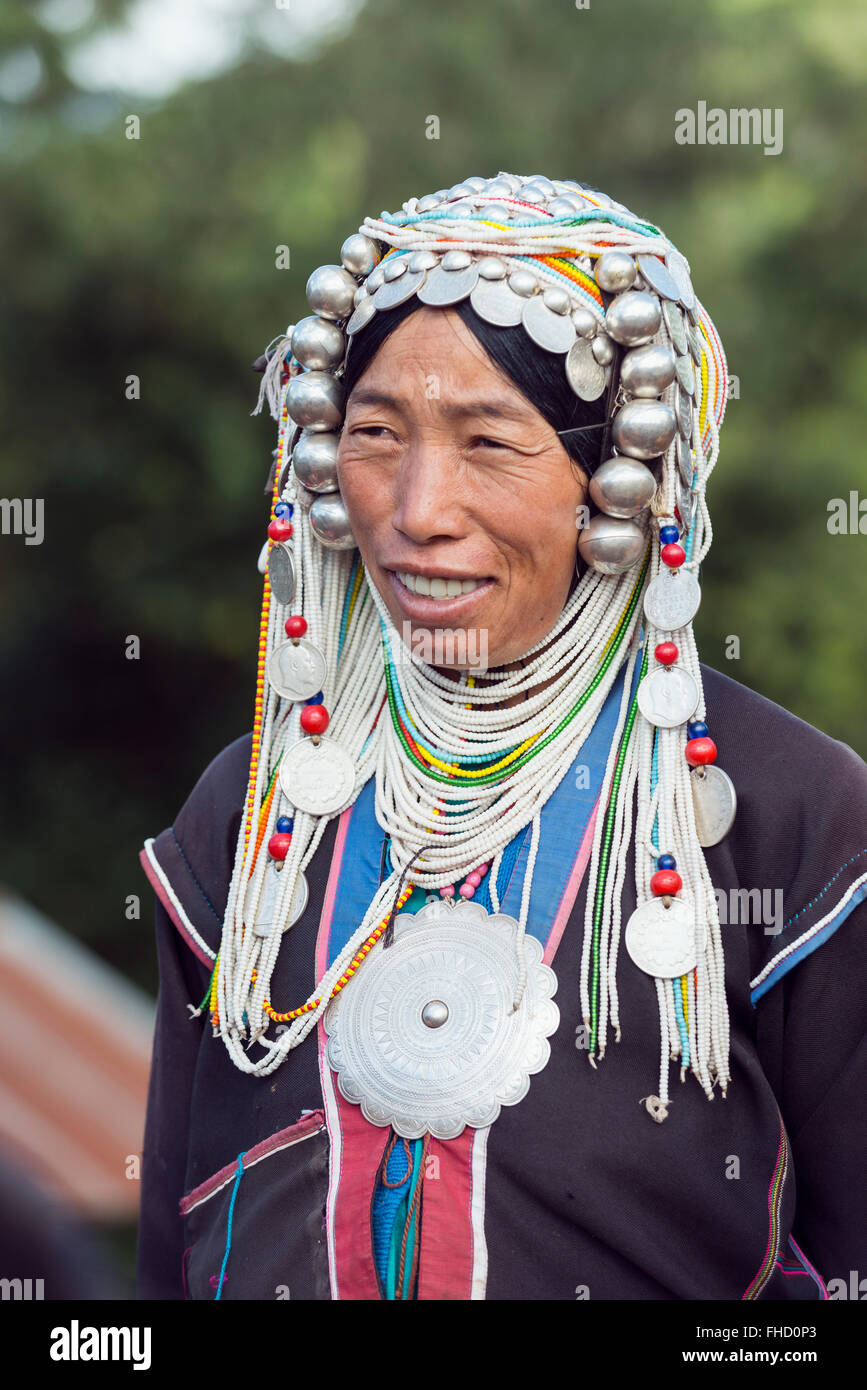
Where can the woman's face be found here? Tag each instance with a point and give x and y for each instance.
(449, 472)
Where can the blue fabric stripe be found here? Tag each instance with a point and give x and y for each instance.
(808, 947)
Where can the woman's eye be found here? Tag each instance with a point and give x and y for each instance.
(482, 442)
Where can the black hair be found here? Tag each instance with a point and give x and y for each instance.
(539, 375)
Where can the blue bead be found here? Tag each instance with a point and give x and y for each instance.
(666, 861)
(696, 729)
(284, 824)
(283, 509)
(668, 534)
(314, 699)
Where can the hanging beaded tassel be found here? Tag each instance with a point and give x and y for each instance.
(461, 769)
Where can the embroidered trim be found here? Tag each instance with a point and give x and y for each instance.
(287, 1138)
(172, 903)
(775, 1194)
(193, 877)
(824, 890)
(790, 955)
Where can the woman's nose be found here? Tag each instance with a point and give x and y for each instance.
(426, 500)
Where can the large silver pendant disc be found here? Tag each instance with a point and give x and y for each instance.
(668, 696)
(662, 940)
(394, 292)
(586, 376)
(715, 801)
(496, 302)
(553, 332)
(281, 575)
(270, 891)
(423, 1038)
(317, 777)
(672, 600)
(297, 669)
(449, 286)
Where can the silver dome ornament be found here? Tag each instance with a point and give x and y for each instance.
(585, 375)
(422, 260)
(375, 278)
(562, 207)
(549, 328)
(476, 182)
(496, 302)
(444, 286)
(498, 188)
(329, 521)
(545, 185)
(495, 212)
(643, 429)
(610, 544)
(456, 260)
(460, 190)
(359, 254)
(647, 371)
(428, 202)
(523, 282)
(654, 273)
(633, 318)
(363, 313)
(622, 487)
(557, 299)
(331, 292)
(586, 323)
(615, 272)
(394, 267)
(399, 288)
(531, 194)
(318, 343)
(361, 293)
(674, 323)
(315, 400)
(424, 1038)
(492, 268)
(459, 211)
(603, 349)
(315, 461)
(686, 374)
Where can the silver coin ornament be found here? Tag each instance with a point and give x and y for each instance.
(271, 888)
(423, 1038)
(668, 696)
(586, 376)
(679, 271)
(364, 312)
(661, 940)
(715, 803)
(686, 374)
(684, 460)
(318, 778)
(496, 302)
(672, 599)
(314, 459)
(445, 286)
(686, 506)
(656, 275)
(297, 669)
(683, 411)
(674, 323)
(281, 574)
(399, 290)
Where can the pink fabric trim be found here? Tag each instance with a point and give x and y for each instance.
(445, 1270)
(284, 1138)
(758, 1281)
(570, 892)
(809, 1268)
(170, 909)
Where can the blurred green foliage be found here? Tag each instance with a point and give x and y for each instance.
(156, 257)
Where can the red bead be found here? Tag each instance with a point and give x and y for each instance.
(666, 881)
(699, 751)
(672, 554)
(666, 653)
(278, 845)
(280, 529)
(314, 719)
(296, 627)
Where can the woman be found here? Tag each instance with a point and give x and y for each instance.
(485, 768)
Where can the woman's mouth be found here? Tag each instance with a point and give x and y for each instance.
(431, 597)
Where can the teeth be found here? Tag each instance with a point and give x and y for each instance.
(437, 588)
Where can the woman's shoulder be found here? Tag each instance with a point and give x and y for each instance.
(189, 864)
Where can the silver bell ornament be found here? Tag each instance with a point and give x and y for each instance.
(633, 318)
(331, 292)
(643, 429)
(611, 545)
(315, 401)
(329, 521)
(622, 487)
(315, 461)
(318, 343)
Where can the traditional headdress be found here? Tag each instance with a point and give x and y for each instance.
(458, 775)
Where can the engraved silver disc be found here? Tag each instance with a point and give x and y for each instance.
(679, 271)
(423, 1038)
(397, 291)
(684, 460)
(662, 940)
(683, 410)
(586, 376)
(668, 696)
(674, 319)
(449, 286)
(496, 302)
(672, 599)
(658, 277)
(270, 891)
(686, 506)
(686, 374)
(362, 314)
(715, 801)
(297, 669)
(317, 777)
(554, 332)
(281, 575)
(694, 339)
